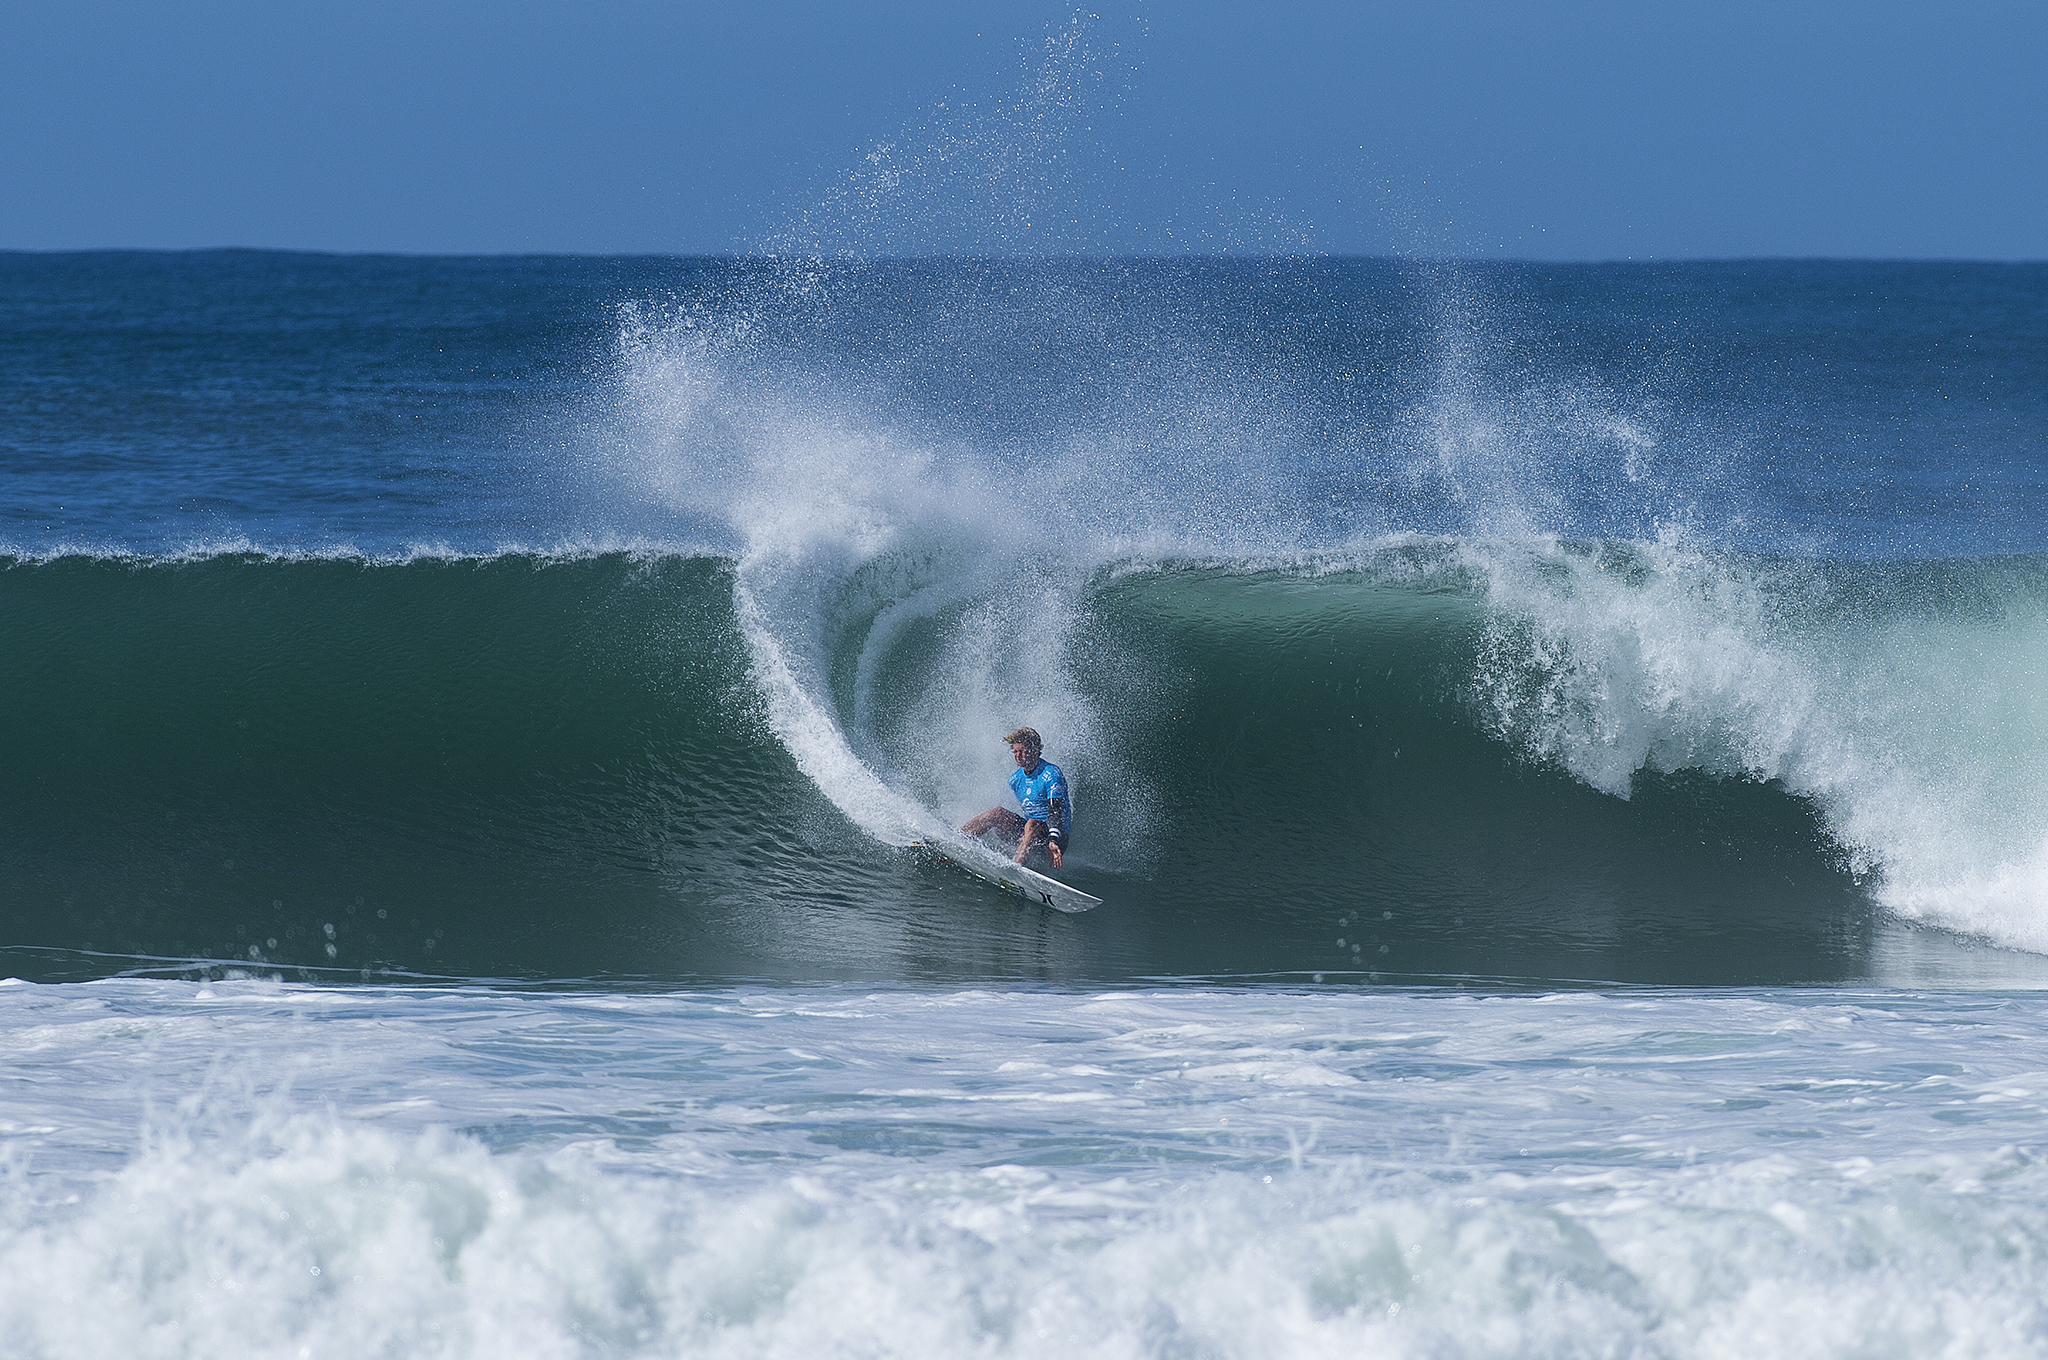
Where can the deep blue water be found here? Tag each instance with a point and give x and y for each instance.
(1886, 410)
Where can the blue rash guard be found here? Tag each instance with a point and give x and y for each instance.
(1042, 794)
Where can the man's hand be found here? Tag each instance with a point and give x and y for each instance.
(1053, 848)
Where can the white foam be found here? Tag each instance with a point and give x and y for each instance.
(1922, 736)
(344, 1242)
(915, 1174)
(565, 549)
(813, 736)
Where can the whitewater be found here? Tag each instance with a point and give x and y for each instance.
(1559, 747)
(822, 1171)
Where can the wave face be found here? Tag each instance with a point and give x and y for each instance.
(244, 757)
(1553, 760)
(567, 619)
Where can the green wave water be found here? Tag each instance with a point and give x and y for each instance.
(563, 767)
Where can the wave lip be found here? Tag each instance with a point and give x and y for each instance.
(1906, 701)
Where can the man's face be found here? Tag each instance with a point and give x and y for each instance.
(1026, 757)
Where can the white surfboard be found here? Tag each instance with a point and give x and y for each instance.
(1006, 873)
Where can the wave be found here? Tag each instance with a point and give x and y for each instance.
(1389, 617)
(1529, 758)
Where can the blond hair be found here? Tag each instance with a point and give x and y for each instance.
(1027, 736)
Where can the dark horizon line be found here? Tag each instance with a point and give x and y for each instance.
(763, 257)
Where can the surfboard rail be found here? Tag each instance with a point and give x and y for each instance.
(1007, 875)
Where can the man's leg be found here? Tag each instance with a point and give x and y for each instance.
(995, 819)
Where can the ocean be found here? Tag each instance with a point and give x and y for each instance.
(1560, 747)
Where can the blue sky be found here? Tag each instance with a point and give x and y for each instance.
(1478, 127)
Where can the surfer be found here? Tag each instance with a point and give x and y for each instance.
(1041, 791)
